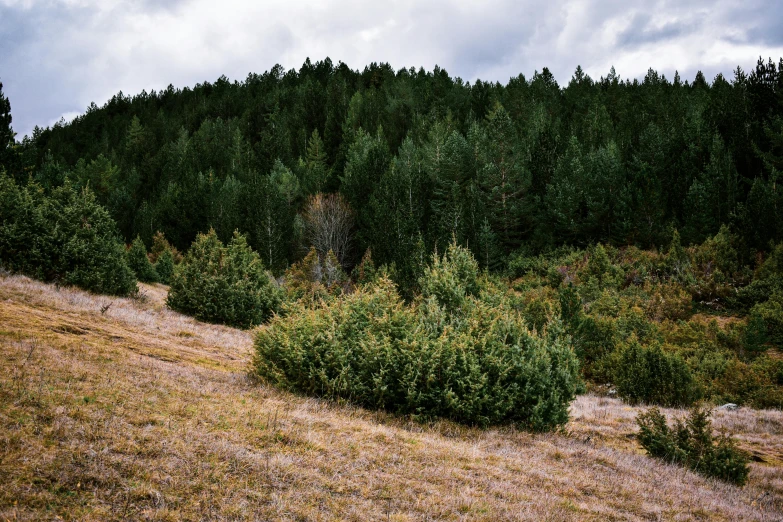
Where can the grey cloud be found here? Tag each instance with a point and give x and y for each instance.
(57, 57)
(643, 31)
(758, 22)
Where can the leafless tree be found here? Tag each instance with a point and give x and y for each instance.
(328, 225)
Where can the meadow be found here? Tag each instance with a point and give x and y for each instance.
(121, 409)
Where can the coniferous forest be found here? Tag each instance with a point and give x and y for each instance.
(637, 223)
(423, 158)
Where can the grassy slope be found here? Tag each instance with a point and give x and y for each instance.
(141, 413)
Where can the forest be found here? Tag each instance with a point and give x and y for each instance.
(423, 158)
(619, 232)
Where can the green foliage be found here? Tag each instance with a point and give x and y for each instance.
(316, 277)
(717, 257)
(652, 376)
(691, 443)
(164, 257)
(771, 313)
(450, 279)
(223, 284)
(598, 264)
(7, 135)
(164, 266)
(610, 300)
(451, 354)
(140, 263)
(66, 237)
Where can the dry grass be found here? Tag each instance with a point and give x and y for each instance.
(139, 413)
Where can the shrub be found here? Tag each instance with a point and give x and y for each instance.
(452, 278)
(767, 280)
(691, 443)
(677, 262)
(476, 363)
(594, 340)
(164, 257)
(652, 376)
(771, 313)
(538, 308)
(65, 237)
(140, 263)
(160, 245)
(164, 266)
(223, 284)
(719, 253)
(668, 301)
(316, 277)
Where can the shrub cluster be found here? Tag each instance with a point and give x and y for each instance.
(65, 236)
(316, 277)
(223, 284)
(164, 256)
(691, 443)
(666, 327)
(652, 376)
(456, 352)
(158, 265)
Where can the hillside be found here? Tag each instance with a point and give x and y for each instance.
(122, 409)
(525, 165)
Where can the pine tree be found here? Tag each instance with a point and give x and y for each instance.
(315, 168)
(504, 179)
(7, 135)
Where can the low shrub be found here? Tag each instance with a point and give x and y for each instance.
(223, 284)
(771, 313)
(691, 443)
(316, 277)
(448, 354)
(451, 279)
(668, 301)
(652, 376)
(164, 256)
(164, 266)
(66, 237)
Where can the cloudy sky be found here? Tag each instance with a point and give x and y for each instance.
(57, 56)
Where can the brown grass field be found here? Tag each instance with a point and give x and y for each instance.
(134, 412)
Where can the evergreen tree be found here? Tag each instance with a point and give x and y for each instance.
(7, 135)
(315, 169)
(504, 179)
(140, 263)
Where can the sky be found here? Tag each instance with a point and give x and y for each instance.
(58, 56)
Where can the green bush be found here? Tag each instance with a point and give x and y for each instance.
(66, 237)
(691, 443)
(164, 257)
(771, 313)
(652, 376)
(315, 277)
(449, 354)
(140, 263)
(452, 278)
(164, 266)
(223, 284)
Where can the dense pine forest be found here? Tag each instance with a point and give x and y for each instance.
(422, 158)
(395, 226)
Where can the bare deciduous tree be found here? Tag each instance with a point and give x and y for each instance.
(328, 222)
